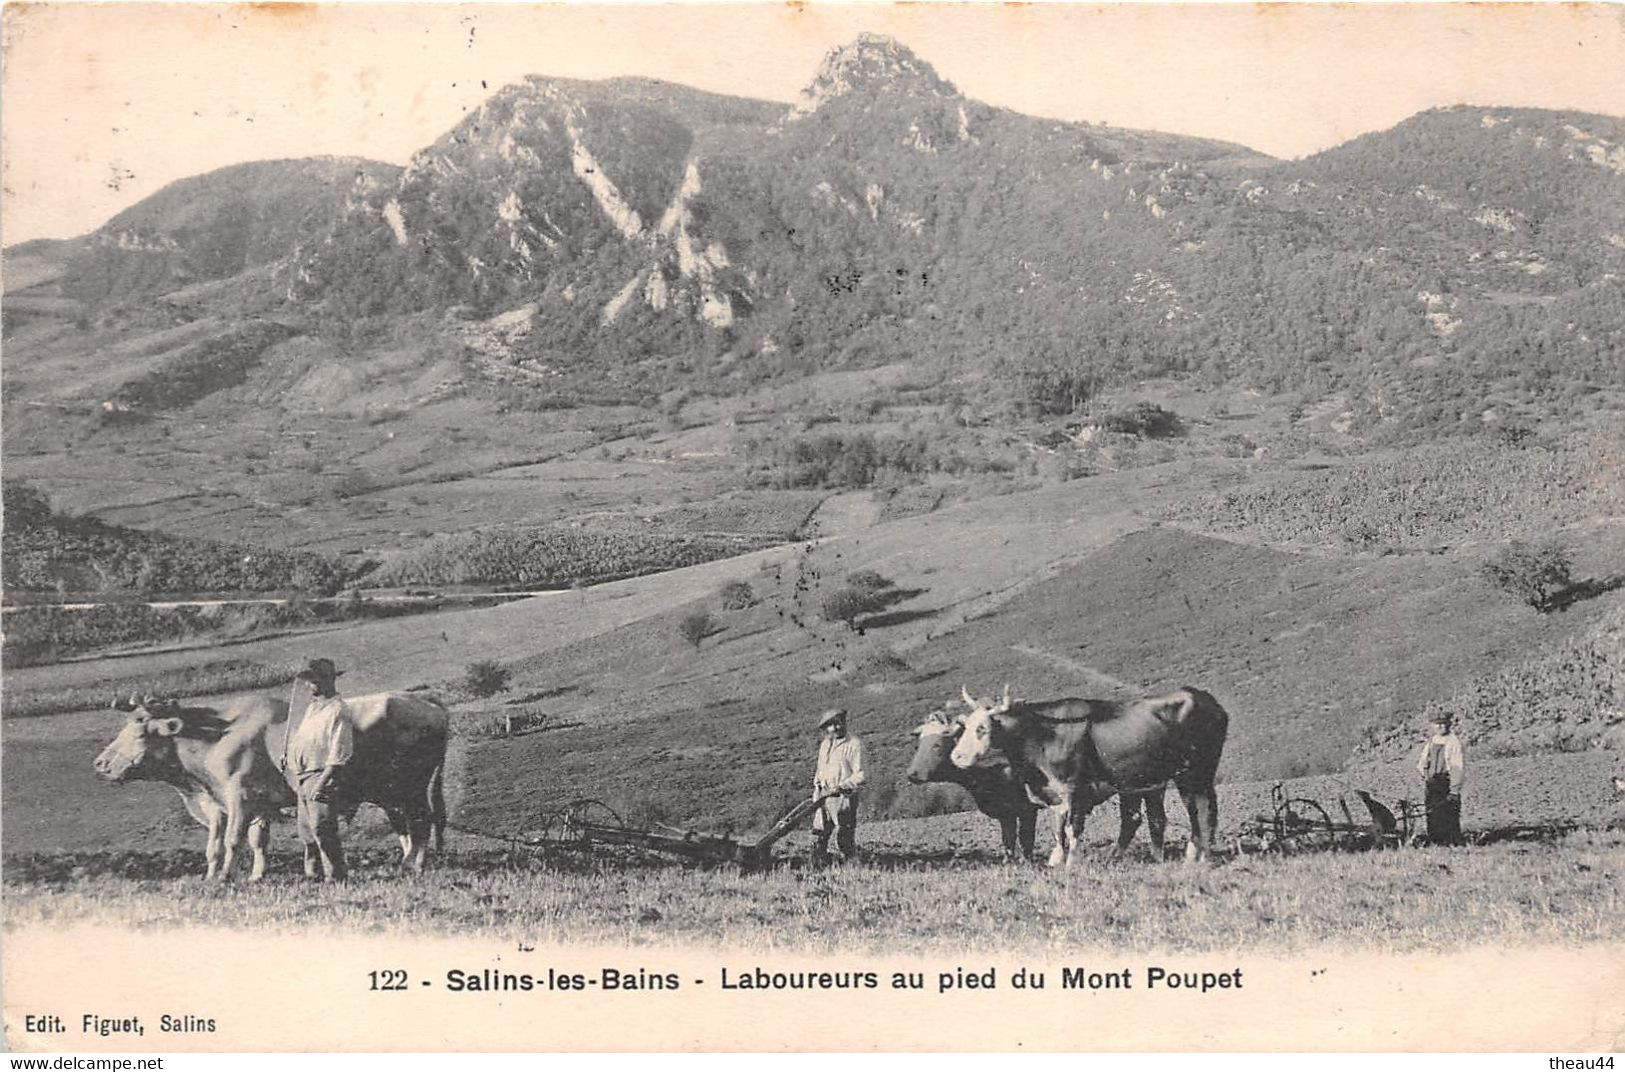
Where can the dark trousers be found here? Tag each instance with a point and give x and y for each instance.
(319, 830)
(1443, 811)
(837, 817)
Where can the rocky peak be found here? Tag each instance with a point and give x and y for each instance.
(870, 63)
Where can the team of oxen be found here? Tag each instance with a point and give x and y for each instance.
(1017, 756)
(221, 762)
(1014, 756)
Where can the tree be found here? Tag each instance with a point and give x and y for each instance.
(737, 595)
(1533, 573)
(696, 627)
(485, 678)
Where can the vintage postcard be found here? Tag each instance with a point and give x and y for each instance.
(813, 527)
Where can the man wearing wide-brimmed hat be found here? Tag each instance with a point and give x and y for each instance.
(836, 777)
(317, 752)
(1443, 768)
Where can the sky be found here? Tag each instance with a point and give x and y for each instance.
(104, 104)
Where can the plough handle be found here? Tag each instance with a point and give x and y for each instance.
(784, 825)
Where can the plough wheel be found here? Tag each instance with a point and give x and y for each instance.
(576, 817)
(1302, 825)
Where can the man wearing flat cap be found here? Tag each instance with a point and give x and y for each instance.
(317, 751)
(836, 777)
(1443, 768)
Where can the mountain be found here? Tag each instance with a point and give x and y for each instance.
(214, 226)
(625, 221)
(641, 235)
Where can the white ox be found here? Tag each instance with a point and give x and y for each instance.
(219, 763)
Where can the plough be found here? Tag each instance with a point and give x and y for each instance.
(1302, 824)
(584, 823)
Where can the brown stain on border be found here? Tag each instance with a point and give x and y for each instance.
(19, 15)
(283, 15)
(284, 10)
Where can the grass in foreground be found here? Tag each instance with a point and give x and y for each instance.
(1569, 891)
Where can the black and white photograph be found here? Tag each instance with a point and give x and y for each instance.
(813, 527)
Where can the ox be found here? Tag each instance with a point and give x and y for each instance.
(1001, 796)
(219, 763)
(219, 760)
(1072, 754)
(399, 765)
(997, 793)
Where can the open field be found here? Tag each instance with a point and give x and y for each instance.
(1572, 891)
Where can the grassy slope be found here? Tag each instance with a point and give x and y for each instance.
(1304, 651)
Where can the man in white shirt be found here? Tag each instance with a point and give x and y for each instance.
(836, 777)
(1443, 768)
(318, 750)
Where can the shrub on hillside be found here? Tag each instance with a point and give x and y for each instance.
(737, 595)
(847, 605)
(486, 677)
(1514, 435)
(1145, 419)
(883, 662)
(1533, 573)
(867, 581)
(1361, 534)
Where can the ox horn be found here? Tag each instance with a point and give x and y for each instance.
(120, 705)
(963, 691)
(1006, 694)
